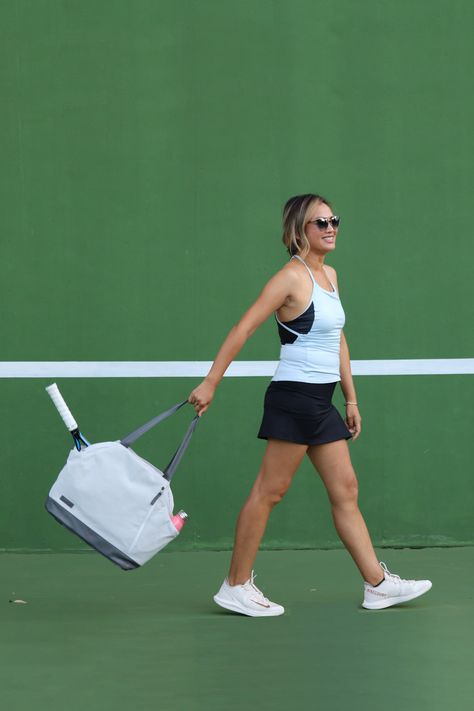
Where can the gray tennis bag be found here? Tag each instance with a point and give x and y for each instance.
(116, 501)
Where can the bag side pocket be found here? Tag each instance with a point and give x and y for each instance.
(156, 531)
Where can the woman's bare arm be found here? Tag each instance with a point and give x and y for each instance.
(347, 384)
(353, 418)
(272, 296)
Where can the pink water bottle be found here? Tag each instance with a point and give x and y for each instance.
(179, 520)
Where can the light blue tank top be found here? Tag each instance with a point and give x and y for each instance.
(311, 342)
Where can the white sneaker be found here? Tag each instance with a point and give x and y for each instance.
(393, 590)
(247, 599)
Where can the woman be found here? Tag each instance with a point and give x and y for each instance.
(298, 415)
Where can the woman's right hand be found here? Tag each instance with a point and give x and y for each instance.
(201, 397)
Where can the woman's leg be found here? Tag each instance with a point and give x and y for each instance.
(333, 463)
(280, 462)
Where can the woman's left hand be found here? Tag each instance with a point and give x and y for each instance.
(353, 420)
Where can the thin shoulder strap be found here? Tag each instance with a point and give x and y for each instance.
(169, 471)
(309, 270)
(335, 290)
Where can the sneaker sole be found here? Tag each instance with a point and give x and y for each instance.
(235, 607)
(388, 602)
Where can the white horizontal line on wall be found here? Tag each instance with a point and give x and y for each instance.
(200, 368)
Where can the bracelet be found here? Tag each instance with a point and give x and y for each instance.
(350, 403)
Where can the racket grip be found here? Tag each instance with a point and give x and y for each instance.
(62, 408)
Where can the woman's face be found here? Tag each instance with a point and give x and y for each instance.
(321, 239)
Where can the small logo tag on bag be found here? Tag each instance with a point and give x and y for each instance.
(155, 498)
(66, 501)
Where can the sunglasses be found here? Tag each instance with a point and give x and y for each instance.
(323, 222)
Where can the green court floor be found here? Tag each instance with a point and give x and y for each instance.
(92, 637)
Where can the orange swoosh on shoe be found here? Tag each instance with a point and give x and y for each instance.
(260, 603)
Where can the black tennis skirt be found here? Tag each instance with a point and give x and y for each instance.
(301, 413)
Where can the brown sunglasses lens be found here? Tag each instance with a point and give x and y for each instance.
(323, 222)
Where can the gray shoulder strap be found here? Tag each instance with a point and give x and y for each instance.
(175, 460)
(177, 456)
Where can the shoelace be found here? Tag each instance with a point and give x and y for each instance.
(396, 577)
(259, 592)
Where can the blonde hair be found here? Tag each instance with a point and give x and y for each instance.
(295, 215)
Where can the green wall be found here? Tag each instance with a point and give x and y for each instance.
(147, 150)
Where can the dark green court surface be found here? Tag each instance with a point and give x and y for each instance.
(91, 637)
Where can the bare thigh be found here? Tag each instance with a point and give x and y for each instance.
(280, 462)
(333, 463)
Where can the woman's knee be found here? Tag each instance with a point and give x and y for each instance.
(346, 492)
(279, 465)
(270, 492)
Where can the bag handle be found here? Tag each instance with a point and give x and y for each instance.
(168, 473)
(176, 458)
